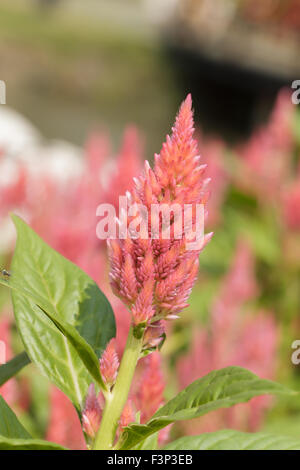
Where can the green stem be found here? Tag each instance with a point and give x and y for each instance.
(115, 402)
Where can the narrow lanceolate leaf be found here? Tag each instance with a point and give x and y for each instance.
(234, 440)
(82, 348)
(10, 426)
(65, 321)
(219, 389)
(28, 444)
(12, 367)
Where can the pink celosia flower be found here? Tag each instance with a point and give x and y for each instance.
(149, 395)
(154, 334)
(13, 185)
(154, 277)
(126, 166)
(238, 287)
(9, 390)
(91, 414)
(70, 228)
(146, 397)
(97, 149)
(128, 415)
(290, 211)
(265, 158)
(214, 155)
(109, 364)
(204, 356)
(5, 325)
(291, 204)
(234, 338)
(101, 174)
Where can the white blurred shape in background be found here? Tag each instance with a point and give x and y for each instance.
(160, 11)
(21, 143)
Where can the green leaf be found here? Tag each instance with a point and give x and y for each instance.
(82, 348)
(61, 362)
(150, 443)
(235, 440)
(59, 281)
(54, 304)
(40, 402)
(28, 444)
(12, 367)
(287, 424)
(296, 126)
(218, 389)
(260, 231)
(10, 426)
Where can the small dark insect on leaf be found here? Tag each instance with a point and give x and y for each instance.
(5, 273)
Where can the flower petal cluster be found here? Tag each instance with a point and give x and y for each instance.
(153, 273)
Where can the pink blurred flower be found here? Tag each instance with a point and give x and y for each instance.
(91, 414)
(234, 338)
(14, 193)
(65, 216)
(265, 158)
(291, 203)
(149, 394)
(127, 166)
(128, 415)
(213, 151)
(9, 391)
(64, 425)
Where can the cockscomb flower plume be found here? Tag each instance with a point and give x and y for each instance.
(154, 272)
(109, 364)
(91, 415)
(128, 415)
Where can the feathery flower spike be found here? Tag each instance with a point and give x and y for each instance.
(154, 274)
(91, 415)
(127, 416)
(109, 364)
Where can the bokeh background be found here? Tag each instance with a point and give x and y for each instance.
(92, 89)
